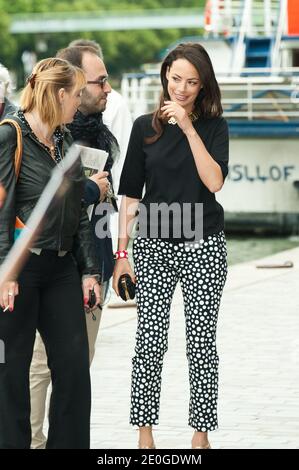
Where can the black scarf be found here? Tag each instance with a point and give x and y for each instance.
(91, 131)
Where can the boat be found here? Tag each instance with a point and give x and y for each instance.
(254, 47)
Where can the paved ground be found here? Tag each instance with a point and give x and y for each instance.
(258, 345)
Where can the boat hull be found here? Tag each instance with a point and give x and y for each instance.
(261, 192)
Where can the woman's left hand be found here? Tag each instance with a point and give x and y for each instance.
(89, 284)
(8, 291)
(171, 109)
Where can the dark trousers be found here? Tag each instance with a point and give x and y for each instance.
(50, 299)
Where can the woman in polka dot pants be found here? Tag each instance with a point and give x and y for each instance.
(180, 154)
(201, 271)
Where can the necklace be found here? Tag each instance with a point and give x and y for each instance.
(193, 116)
(46, 141)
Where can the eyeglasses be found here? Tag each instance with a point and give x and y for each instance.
(101, 81)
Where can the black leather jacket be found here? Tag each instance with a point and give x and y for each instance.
(9, 108)
(67, 227)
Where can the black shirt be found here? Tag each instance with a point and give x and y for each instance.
(168, 170)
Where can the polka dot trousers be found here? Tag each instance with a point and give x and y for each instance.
(201, 270)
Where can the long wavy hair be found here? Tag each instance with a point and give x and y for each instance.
(208, 101)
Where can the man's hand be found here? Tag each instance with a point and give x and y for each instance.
(101, 180)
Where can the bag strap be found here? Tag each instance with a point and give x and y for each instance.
(19, 147)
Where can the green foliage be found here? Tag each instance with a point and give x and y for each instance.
(123, 50)
(8, 43)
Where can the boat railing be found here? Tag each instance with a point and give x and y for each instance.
(252, 101)
(259, 17)
(276, 56)
(243, 28)
(248, 96)
(264, 18)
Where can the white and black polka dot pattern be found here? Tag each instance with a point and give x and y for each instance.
(201, 270)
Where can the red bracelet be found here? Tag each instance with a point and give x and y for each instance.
(121, 254)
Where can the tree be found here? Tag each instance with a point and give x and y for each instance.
(123, 50)
(8, 43)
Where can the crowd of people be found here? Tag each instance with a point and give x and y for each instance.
(169, 163)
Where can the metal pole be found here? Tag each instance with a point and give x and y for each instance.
(267, 17)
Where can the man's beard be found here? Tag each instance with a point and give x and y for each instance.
(90, 105)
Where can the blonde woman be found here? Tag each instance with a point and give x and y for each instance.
(47, 294)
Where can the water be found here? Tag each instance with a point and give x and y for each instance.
(247, 248)
(244, 248)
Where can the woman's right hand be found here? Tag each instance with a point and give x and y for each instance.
(122, 266)
(8, 291)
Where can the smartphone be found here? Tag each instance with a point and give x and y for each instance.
(92, 299)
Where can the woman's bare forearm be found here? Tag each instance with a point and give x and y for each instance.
(127, 216)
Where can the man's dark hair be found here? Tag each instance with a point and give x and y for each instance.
(89, 43)
(74, 55)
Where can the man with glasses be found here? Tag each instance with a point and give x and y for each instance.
(118, 118)
(87, 127)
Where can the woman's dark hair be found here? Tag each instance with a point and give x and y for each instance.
(208, 101)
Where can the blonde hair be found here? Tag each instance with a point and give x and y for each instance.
(41, 92)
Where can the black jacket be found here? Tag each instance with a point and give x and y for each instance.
(67, 227)
(9, 108)
(104, 249)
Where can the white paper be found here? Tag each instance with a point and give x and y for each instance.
(93, 160)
